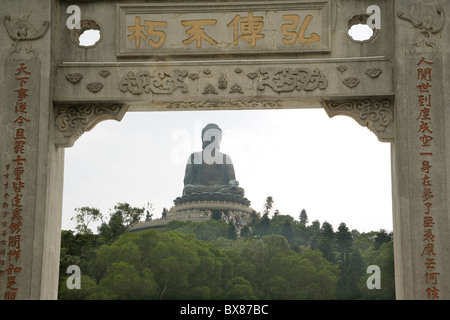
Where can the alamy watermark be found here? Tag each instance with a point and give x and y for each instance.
(374, 281)
(184, 144)
(74, 20)
(374, 21)
(74, 281)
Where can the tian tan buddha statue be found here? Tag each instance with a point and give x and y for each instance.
(209, 174)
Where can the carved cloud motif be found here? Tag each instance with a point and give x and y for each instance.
(351, 82)
(287, 79)
(377, 115)
(74, 77)
(374, 72)
(94, 86)
(72, 121)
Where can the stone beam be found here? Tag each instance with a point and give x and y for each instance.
(163, 86)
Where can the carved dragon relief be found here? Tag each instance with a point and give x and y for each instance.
(427, 26)
(71, 121)
(23, 32)
(376, 114)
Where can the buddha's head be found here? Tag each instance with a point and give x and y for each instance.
(211, 133)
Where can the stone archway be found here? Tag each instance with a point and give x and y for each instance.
(54, 91)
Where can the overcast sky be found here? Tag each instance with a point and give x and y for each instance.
(333, 168)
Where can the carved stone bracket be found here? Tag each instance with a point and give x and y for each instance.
(71, 121)
(376, 114)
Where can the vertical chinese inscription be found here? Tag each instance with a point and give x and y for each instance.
(425, 120)
(14, 184)
(5, 172)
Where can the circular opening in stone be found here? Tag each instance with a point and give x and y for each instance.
(89, 38)
(358, 30)
(88, 35)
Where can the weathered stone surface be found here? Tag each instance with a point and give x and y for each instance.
(378, 82)
(30, 165)
(420, 153)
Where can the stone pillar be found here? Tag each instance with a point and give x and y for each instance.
(31, 167)
(420, 154)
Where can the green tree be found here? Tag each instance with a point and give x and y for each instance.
(382, 237)
(303, 218)
(323, 285)
(262, 228)
(314, 229)
(216, 214)
(355, 272)
(283, 225)
(246, 232)
(84, 217)
(232, 232)
(384, 259)
(120, 220)
(327, 242)
(77, 249)
(288, 232)
(87, 289)
(239, 288)
(351, 271)
(207, 230)
(344, 242)
(272, 259)
(125, 282)
(268, 204)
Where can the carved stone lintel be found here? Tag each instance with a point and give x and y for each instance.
(71, 121)
(224, 105)
(376, 114)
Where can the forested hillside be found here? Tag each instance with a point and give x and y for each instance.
(273, 258)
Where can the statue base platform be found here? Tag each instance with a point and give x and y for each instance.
(212, 197)
(198, 211)
(205, 206)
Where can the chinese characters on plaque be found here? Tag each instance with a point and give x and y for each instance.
(200, 32)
